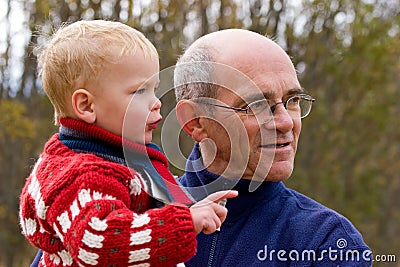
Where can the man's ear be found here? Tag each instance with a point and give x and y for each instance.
(82, 103)
(190, 121)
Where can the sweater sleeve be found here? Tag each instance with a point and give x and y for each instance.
(89, 221)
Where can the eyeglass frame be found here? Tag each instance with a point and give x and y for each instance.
(273, 107)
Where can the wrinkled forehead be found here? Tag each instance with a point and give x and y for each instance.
(252, 81)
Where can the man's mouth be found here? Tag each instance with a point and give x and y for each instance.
(276, 146)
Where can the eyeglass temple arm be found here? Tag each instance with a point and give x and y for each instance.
(222, 106)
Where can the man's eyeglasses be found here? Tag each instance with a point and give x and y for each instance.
(297, 106)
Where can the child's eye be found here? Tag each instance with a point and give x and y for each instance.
(140, 91)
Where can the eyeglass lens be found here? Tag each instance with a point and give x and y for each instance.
(295, 105)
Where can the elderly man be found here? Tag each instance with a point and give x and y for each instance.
(240, 100)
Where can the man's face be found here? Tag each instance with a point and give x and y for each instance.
(260, 149)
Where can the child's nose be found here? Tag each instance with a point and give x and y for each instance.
(157, 105)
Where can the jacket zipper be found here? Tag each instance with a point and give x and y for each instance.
(214, 241)
(212, 250)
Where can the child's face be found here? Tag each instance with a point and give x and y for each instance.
(124, 98)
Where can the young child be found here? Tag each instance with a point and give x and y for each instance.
(84, 204)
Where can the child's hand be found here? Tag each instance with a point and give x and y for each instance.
(207, 214)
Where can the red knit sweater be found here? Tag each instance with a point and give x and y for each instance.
(82, 210)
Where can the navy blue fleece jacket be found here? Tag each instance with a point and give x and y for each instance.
(272, 226)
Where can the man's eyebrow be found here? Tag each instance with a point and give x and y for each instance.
(295, 91)
(251, 98)
(255, 97)
(267, 95)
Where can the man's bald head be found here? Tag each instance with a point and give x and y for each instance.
(225, 43)
(236, 48)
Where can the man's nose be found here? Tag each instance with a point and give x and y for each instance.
(282, 119)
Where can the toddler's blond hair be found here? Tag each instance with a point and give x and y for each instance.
(76, 53)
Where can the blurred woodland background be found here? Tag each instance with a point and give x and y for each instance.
(347, 54)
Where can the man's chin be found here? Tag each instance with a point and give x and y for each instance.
(272, 172)
(279, 172)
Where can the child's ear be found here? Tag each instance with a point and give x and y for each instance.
(82, 103)
(190, 121)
